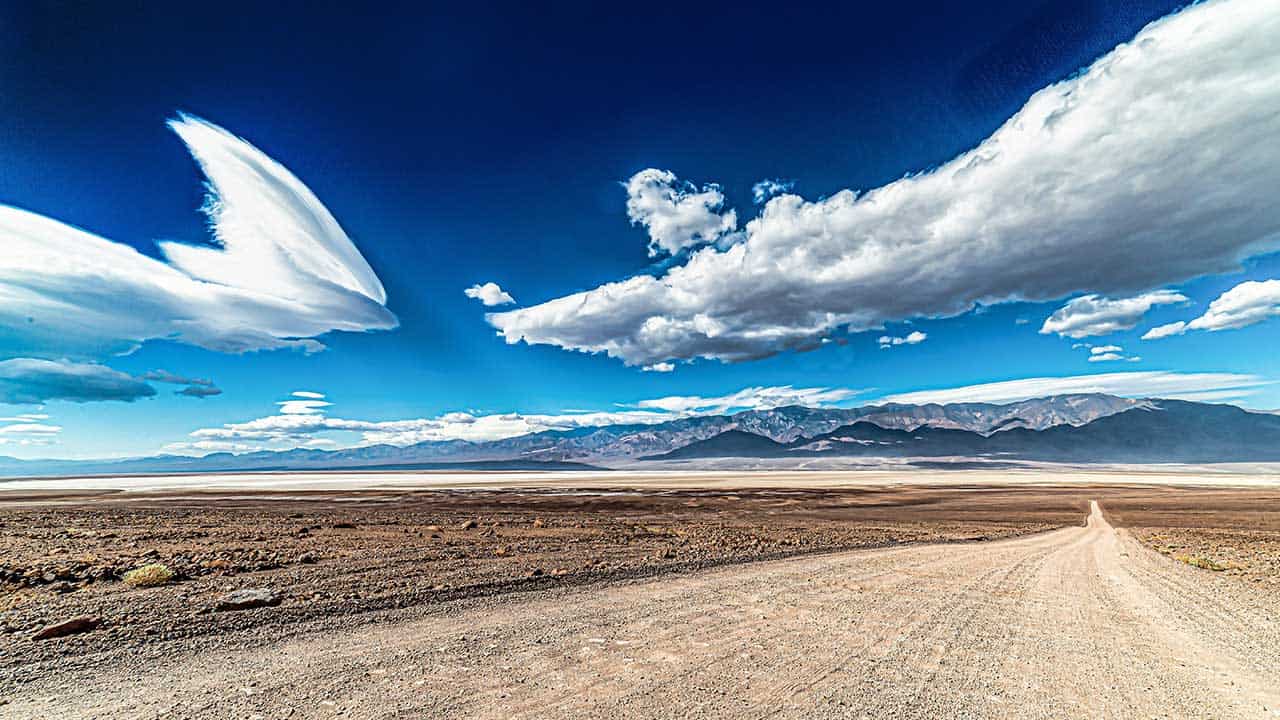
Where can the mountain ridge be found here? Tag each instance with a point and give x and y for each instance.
(886, 429)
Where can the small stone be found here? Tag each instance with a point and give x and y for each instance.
(248, 599)
(468, 525)
(67, 627)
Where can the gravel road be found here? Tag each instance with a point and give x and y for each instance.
(1081, 622)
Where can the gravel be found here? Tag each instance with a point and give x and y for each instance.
(1080, 622)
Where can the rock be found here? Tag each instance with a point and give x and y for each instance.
(67, 627)
(62, 587)
(468, 524)
(248, 599)
(307, 558)
(344, 526)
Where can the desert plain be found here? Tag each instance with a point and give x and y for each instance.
(1053, 593)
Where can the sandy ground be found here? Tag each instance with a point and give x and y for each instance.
(1080, 622)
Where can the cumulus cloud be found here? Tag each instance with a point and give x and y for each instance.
(489, 294)
(1201, 387)
(766, 189)
(280, 271)
(35, 381)
(1246, 304)
(914, 338)
(662, 367)
(1112, 183)
(309, 429)
(677, 214)
(1092, 315)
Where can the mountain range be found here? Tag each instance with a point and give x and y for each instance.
(1080, 428)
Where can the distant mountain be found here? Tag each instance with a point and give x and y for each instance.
(730, 443)
(1076, 428)
(1163, 431)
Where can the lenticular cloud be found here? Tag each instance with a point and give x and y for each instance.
(281, 271)
(1157, 164)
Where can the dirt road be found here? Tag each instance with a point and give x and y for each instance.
(1081, 622)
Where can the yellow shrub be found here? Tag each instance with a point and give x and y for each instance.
(148, 576)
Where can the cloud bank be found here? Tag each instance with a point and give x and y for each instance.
(1114, 182)
(306, 426)
(1246, 304)
(1200, 387)
(280, 272)
(1092, 315)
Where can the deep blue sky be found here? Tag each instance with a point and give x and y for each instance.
(487, 142)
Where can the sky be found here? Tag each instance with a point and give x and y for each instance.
(272, 227)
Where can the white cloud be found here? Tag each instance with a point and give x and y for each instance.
(1112, 182)
(309, 429)
(914, 338)
(30, 429)
(489, 294)
(752, 398)
(302, 407)
(307, 394)
(1101, 349)
(676, 214)
(1164, 331)
(766, 189)
(1092, 315)
(31, 381)
(1246, 304)
(1203, 387)
(1105, 357)
(1243, 305)
(662, 367)
(281, 271)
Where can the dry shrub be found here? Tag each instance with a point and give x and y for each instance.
(148, 576)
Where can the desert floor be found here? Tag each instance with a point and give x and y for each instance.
(1050, 596)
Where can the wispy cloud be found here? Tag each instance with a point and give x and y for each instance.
(28, 430)
(281, 271)
(1094, 186)
(1204, 387)
(765, 189)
